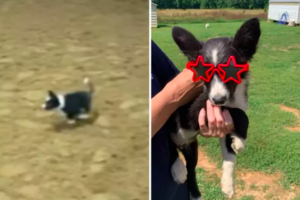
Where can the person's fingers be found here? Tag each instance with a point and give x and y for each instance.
(223, 133)
(210, 114)
(201, 121)
(227, 120)
(211, 118)
(219, 124)
(211, 132)
(219, 120)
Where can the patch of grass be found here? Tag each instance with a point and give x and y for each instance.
(209, 187)
(268, 196)
(253, 187)
(296, 198)
(270, 147)
(285, 183)
(247, 198)
(265, 188)
(240, 184)
(207, 15)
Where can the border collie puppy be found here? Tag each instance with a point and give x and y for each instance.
(232, 96)
(74, 106)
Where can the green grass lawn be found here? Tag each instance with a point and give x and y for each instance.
(275, 72)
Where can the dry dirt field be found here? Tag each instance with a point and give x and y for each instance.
(207, 15)
(54, 44)
(203, 11)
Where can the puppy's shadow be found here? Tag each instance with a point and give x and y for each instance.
(63, 124)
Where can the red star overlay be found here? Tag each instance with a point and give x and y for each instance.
(227, 72)
(232, 71)
(201, 69)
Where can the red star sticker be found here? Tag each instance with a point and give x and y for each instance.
(232, 71)
(201, 69)
(227, 72)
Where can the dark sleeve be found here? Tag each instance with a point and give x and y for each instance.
(162, 66)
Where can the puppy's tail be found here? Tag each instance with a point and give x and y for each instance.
(90, 85)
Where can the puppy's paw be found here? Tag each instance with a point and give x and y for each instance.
(179, 171)
(71, 122)
(238, 144)
(196, 198)
(227, 185)
(83, 116)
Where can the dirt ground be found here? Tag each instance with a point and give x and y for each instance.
(54, 44)
(260, 185)
(296, 113)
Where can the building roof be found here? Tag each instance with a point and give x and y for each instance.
(284, 1)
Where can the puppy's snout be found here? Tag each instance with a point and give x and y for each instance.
(219, 100)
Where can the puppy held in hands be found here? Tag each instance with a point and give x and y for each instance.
(74, 106)
(230, 95)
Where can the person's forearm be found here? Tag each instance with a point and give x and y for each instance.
(162, 107)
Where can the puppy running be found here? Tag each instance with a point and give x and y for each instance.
(74, 106)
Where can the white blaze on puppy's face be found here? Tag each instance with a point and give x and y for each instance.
(218, 91)
(46, 100)
(214, 55)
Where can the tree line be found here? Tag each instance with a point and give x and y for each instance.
(211, 4)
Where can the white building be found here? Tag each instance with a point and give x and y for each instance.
(284, 10)
(153, 15)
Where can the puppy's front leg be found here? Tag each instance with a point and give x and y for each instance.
(71, 119)
(239, 135)
(229, 161)
(231, 145)
(238, 144)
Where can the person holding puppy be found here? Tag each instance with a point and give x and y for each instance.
(170, 90)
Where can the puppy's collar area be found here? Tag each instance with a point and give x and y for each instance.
(231, 71)
(61, 100)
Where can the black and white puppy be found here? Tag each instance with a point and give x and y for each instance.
(74, 106)
(230, 95)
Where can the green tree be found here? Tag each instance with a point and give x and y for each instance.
(212, 4)
(196, 3)
(204, 4)
(221, 4)
(179, 3)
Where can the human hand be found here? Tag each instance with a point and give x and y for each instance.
(219, 123)
(182, 89)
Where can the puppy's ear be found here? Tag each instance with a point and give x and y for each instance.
(187, 42)
(246, 38)
(51, 93)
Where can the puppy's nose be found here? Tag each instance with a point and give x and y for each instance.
(219, 100)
